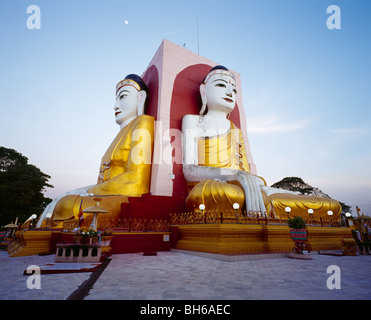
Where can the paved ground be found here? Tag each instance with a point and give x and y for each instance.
(175, 275)
(13, 284)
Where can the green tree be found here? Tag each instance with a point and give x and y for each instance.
(345, 209)
(21, 187)
(294, 184)
(297, 184)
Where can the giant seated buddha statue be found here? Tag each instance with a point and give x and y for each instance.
(215, 164)
(125, 168)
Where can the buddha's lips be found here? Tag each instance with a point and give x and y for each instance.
(228, 100)
(118, 112)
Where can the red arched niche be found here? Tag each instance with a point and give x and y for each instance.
(186, 99)
(151, 79)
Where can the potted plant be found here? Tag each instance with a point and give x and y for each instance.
(296, 223)
(86, 235)
(298, 234)
(297, 228)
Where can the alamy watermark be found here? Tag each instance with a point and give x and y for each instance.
(333, 21)
(34, 19)
(34, 280)
(334, 280)
(170, 145)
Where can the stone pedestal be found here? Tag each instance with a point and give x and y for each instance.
(30, 242)
(78, 253)
(350, 247)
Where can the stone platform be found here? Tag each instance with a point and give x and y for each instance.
(175, 275)
(252, 238)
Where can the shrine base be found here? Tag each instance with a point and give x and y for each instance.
(245, 239)
(37, 242)
(211, 238)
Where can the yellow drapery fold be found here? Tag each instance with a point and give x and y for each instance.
(126, 166)
(223, 151)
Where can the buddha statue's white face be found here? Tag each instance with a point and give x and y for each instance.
(219, 93)
(128, 99)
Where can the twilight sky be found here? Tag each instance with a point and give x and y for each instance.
(306, 88)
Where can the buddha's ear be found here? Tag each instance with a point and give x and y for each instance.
(203, 98)
(142, 96)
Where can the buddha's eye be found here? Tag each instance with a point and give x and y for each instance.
(221, 85)
(122, 96)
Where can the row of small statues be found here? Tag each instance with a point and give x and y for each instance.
(197, 217)
(238, 216)
(141, 225)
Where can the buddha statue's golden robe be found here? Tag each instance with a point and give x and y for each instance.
(124, 172)
(222, 151)
(228, 151)
(300, 204)
(126, 165)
